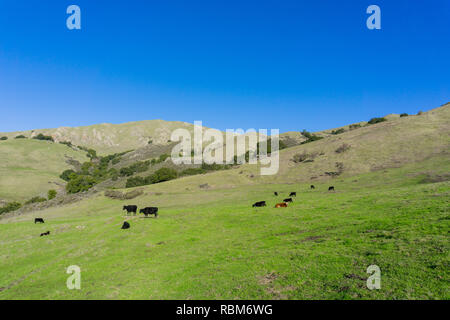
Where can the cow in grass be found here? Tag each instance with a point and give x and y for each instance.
(312, 187)
(288, 200)
(281, 205)
(293, 194)
(45, 234)
(38, 220)
(259, 204)
(130, 209)
(331, 188)
(149, 211)
(125, 225)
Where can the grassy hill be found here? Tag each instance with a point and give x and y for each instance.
(211, 244)
(390, 209)
(31, 167)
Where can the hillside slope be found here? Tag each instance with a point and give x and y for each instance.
(31, 167)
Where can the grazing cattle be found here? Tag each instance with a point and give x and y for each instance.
(125, 225)
(149, 210)
(293, 194)
(40, 220)
(312, 187)
(131, 208)
(259, 204)
(275, 193)
(281, 205)
(287, 200)
(331, 188)
(45, 233)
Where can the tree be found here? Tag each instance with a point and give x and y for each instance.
(67, 175)
(51, 194)
(80, 183)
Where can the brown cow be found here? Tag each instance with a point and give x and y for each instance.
(281, 205)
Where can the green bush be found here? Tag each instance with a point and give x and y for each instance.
(140, 166)
(338, 131)
(4, 138)
(35, 200)
(10, 206)
(67, 143)
(310, 137)
(40, 136)
(164, 174)
(354, 126)
(80, 183)
(51, 194)
(376, 120)
(67, 175)
(403, 115)
(20, 137)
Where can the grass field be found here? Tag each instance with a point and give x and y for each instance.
(211, 244)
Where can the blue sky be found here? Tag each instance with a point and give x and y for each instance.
(290, 65)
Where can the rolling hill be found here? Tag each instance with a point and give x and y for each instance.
(390, 209)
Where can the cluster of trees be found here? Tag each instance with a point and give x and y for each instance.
(41, 136)
(4, 138)
(161, 175)
(376, 120)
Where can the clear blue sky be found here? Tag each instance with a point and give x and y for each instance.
(232, 64)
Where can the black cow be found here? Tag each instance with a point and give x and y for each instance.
(259, 204)
(293, 194)
(129, 209)
(40, 220)
(125, 225)
(312, 187)
(275, 193)
(287, 200)
(331, 188)
(149, 210)
(45, 233)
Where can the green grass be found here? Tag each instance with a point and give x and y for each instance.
(211, 244)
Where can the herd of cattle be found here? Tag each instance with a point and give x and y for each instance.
(132, 209)
(285, 201)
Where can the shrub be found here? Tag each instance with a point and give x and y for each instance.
(164, 174)
(67, 143)
(135, 182)
(40, 136)
(20, 137)
(344, 147)
(150, 141)
(91, 154)
(354, 126)
(419, 113)
(51, 194)
(304, 157)
(10, 206)
(338, 131)
(310, 137)
(36, 200)
(67, 175)
(281, 146)
(80, 183)
(376, 120)
(140, 166)
(4, 138)
(403, 115)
